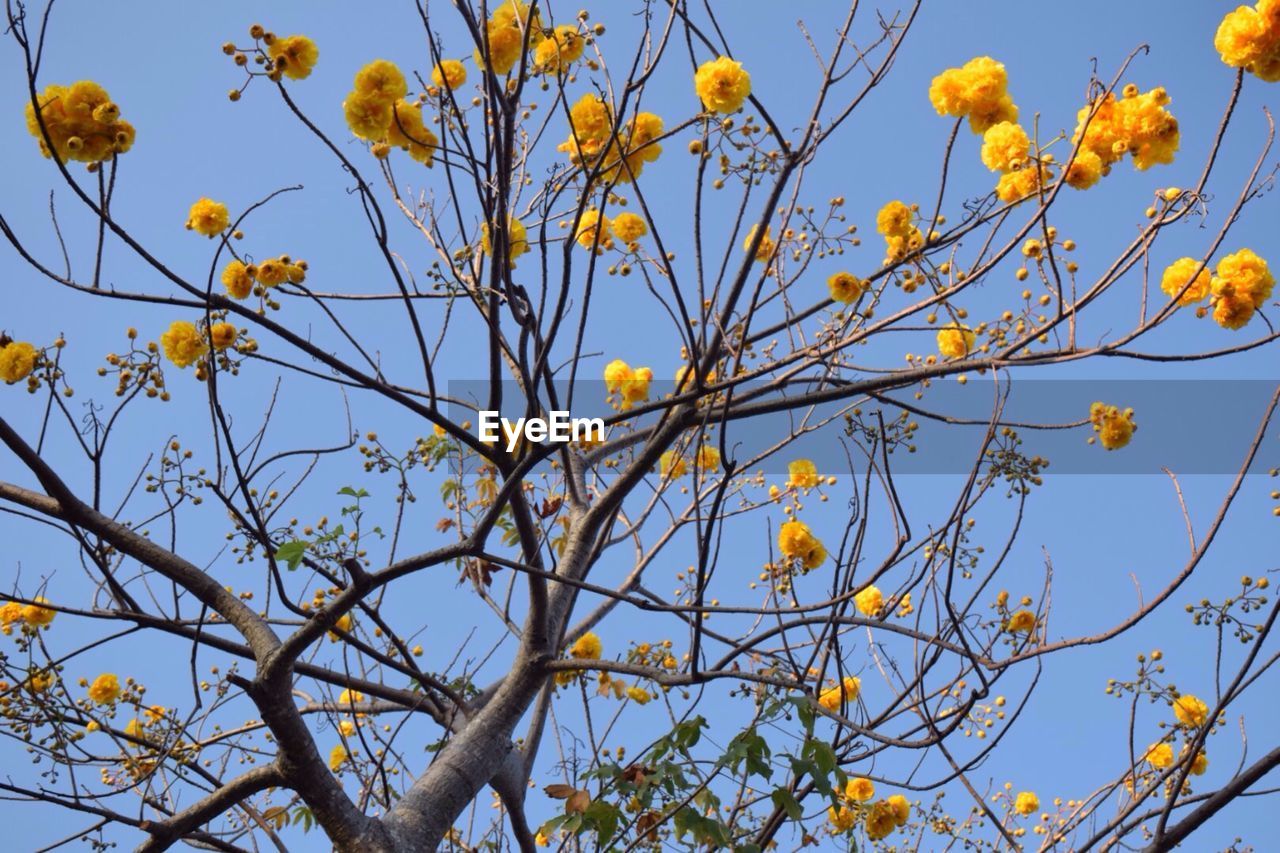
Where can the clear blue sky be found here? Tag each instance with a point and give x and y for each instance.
(161, 62)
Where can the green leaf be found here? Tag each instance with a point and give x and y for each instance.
(353, 493)
(291, 553)
(783, 799)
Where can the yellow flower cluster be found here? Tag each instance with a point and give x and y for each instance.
(901, 237)
(35, 615)
(978, 89)
(628, 385)
(1135, 123)
(1178, 275)
(559, 51)
(869, 601)
(1021, 622)
(1190, 711)
(1241, 285)
(82, 121)
(722, 85)
(183, 344)
(797, 542)
(956, 340)
(238, 277)
(856, 791)
(1005, 147)
(17, 360)
(105, 689)
(847, 690)
(594, 231)
(1026, 803)
(1249, 38)
(1114, 427)
(766, 247)
(505, 35)
(846, 287)
(628, 228)
(591, 140)
(802, 474)
(294, 56)
(448, 74)
(208, 217)
(377, 111)
(885, 816)
(517, 237)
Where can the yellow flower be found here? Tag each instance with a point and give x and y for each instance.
(672, 466)
(348, 698)
(183, 344)
(368, 117)
(587, 647)
(1015, 186)
(593, 231)
(1159, 756)
(380, 82)
(105, 689)
(222, 335)
(869, 601)
(1190, 711)
(154, 714)
(802, 474)
(237, 280)
(134, 728)
(1199, 764)
(449, 74)
(764, 251)
(407, 131)
(337, 757)
(41, 681)
(956, 340)
(708, 459)
(517, 238)
(796, 541)
(846, 287)
(722, 84)
(562, 49)
(82, 122)
(1026, 803)
(17, 360)
(1114, 427)
(344, 624)
(842, 820)
(10, 612)
(901, 808)
(638, 146)
(881, 820)
(294, 55)
(36, 615)
(1085, 170)
(590, 125)
(505, 44)
(639, 695)
(977, 89)
(631, 386)
(847, 691)
(628, 227)
(1178, 275)
(1244, 274)
(1249, 38)
(1136, 124)
(1005, 147)
(208, 217)
(1021, 622)
(859, 789)
(894, 219)
(347, 728)
(271, 272)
